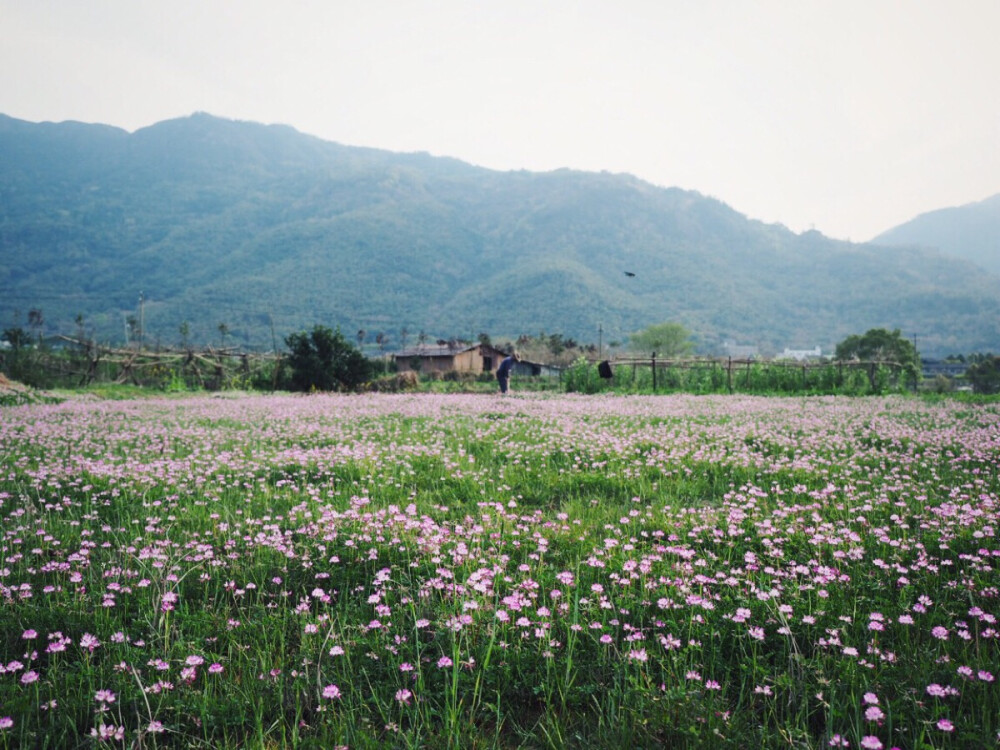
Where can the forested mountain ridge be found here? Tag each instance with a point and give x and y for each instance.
(217, 222)
(970, 232)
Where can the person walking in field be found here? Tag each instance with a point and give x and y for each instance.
(503, 371)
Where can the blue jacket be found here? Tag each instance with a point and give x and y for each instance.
(503, 371)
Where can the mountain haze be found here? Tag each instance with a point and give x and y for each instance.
(221, 222)
(970, 232)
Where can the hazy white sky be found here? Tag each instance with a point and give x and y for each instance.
(848, 116)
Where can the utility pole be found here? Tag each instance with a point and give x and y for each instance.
(142, 320)
(600, 341)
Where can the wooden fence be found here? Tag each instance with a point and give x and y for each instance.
(84, 362)
(737, 369)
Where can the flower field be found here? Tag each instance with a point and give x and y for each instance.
(474, 572)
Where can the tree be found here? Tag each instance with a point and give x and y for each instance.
(36, 321)
(131, 329)
(984, 375)
(17, 337)
(882, 346)
(324, 360)
(879, 345)
(665, 339)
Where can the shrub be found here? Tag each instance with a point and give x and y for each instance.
(459, 376)
(582, 377)
(323, 360)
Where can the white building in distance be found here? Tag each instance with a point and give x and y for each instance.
(800, 355)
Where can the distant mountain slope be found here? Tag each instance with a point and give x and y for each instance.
(222, 222)
(970, 232)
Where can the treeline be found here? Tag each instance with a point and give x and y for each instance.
(324, 359)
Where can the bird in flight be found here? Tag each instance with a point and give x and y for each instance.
(629, 274)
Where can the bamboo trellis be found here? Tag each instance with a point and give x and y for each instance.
(210, 367)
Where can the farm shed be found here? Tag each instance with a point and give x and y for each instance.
(536, 369)
(441, 358)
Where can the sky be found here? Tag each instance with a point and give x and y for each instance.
(845, 116)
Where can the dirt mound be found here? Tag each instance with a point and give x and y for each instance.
(6, 384)
(13, 393)
(403, 381)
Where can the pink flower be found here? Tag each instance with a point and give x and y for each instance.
(937, 691)
(870, 742)
(874, 713)
(403, 696)
(194, 661)
(156, 727)
(945, 726)
(29, 677)
(104, 696)
(940, 633)
(6, 722)
(215, 668)
(870, 698)
(331, 691)
(108, 732)
(444, 662)
(565, 578)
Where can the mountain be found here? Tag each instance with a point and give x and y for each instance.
(266, 230)
(970, 232)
